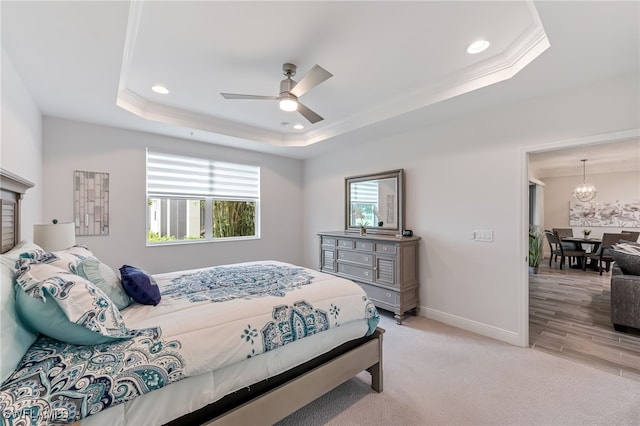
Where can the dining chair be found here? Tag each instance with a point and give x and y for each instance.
(604, 252)
(633, 237)
(558, 250)
(564, 233)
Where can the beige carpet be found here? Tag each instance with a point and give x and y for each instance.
(440, 375)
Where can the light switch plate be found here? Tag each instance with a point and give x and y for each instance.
(483, 235)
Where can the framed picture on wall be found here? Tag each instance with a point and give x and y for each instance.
(91, 202)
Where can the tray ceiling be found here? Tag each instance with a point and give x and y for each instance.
(393, 63)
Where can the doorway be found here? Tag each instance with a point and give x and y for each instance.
(553, 300)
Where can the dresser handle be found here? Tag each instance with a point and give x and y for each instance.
(366, 259)
(366, 273)
(389, 295)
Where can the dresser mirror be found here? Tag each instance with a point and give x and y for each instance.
(375, 202)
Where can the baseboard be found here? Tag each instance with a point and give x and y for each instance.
(501, 334)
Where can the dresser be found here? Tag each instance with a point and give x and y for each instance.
(385, 266)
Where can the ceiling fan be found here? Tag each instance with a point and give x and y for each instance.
(290, 91)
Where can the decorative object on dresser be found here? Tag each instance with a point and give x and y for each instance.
(385, 266)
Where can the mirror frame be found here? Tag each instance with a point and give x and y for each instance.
(399, 175)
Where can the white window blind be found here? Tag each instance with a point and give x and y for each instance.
(177, 176)
(364, 192)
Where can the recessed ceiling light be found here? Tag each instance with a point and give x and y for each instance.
(158, 88)
(298, 126)
(478, 46)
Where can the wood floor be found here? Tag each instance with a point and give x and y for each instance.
(569, 316)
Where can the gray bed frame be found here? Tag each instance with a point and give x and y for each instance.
(262, 403)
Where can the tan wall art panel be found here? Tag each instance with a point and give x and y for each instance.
(91, 203)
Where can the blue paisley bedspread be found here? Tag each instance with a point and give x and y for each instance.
(57, 382)
(218, 284)
(260, 307)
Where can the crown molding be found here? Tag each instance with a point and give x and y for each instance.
(532, 42)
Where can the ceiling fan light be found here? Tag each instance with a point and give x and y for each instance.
(288, 104)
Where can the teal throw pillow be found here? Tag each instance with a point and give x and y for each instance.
(105, 279)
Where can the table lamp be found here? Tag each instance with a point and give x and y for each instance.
(55, 236)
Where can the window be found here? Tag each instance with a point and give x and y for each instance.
(364, 203)
(194, 199)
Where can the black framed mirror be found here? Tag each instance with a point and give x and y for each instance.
(375, 202)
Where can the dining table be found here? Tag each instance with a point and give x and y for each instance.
(594, 243)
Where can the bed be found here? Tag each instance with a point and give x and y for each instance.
(236, 344)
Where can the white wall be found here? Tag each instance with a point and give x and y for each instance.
(70, 146)
(610, 186)
(21, 143)
(463, 175)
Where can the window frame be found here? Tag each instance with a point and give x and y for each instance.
(208, 203)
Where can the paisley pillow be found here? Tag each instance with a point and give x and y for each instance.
(65, 259)
(65, 306)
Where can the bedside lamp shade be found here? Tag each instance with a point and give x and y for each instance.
(54, 237)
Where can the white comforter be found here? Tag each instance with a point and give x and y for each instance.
(216, 334)
(198, 336)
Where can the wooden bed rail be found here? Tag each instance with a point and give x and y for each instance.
(278, 403)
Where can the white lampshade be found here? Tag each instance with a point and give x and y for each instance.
(54, 237)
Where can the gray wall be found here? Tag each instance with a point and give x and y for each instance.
(465, 174)
(21, 143)
(70, 146)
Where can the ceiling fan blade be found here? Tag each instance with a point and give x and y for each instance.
(238, 96)
(315, 76)
(311, 116)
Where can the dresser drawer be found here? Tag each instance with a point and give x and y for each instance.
(356, 272)
(364, 245)
(365, 259)
(385, 248)
(348, 244)
(381, 295)
(329, 241)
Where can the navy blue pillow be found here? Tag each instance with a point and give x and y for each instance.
(140, 286)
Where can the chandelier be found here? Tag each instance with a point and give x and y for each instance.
(584, 192)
